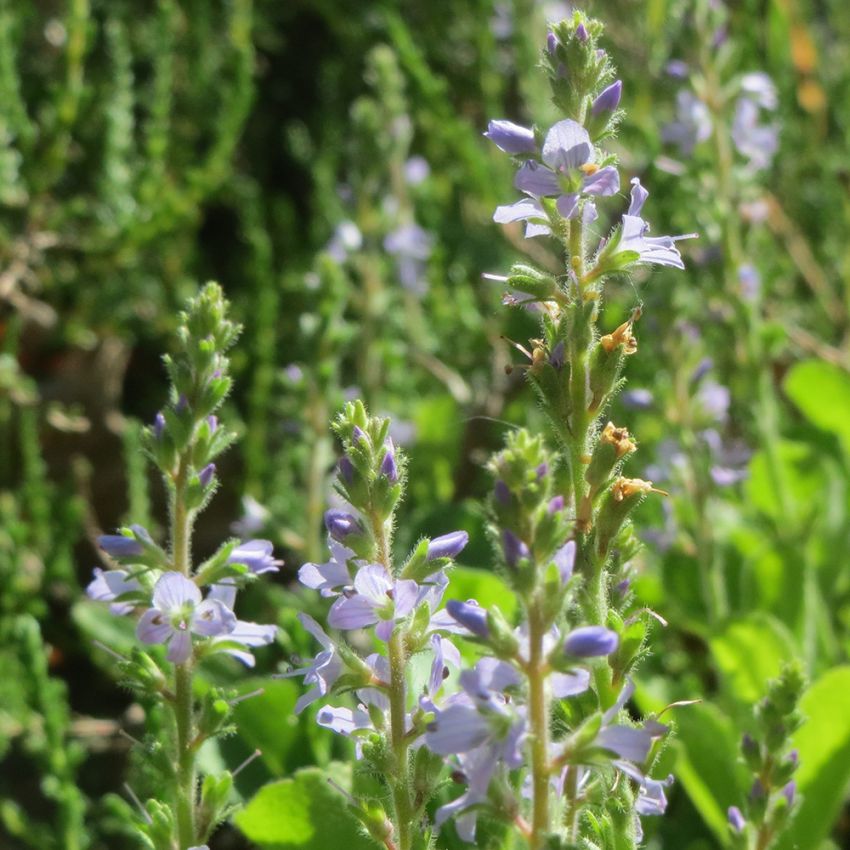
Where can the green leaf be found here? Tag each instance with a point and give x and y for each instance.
(749, 652)
(707, 764)
(304, 812)
(822, 393)
(96, 622)
(824, 745)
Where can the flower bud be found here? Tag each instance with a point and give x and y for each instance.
(159, 426)
(448, 545)
(789, 792)
(345, 469)
(205, 476)
(736, 819)
(608, 100)
(591, 642)
(513, 548)
(389, 469)
(470, 615)
(120, 545)
(581, 33)
(511, 138)
(502, 493)
(341, 525)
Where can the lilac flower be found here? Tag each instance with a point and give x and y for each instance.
(389, 468)
(376, 598)
(257, 556)
(178, 612)
(346, 239)
(244, 635)
(346, 721)
(637, 399)
(206, 475)
(511, 138)
(416, 170)
(159, 426)
(756, 142)
(714, 399)
(660, 250)
(254, 517)
(470, 615)
(411, 246)
(565, 557)
(692, 124)
(108, 585)
(323, 671)
(327, 578)
(591, 642)
(566, 173)
(447, 545)
(758, 86)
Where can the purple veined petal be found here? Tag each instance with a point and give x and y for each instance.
(565, 559)
(624, 696)
(212, 618)
(109, 584)
(153, 627)
(536, 180)
(442, 621)
(384, 630)
(373, 582)
(511, 138)
(496, 675)
(470, 615)
(355, 612)
(606, 181)
(343, 721)
(567, 146)
(589, 213)
(465, 825)
(406, 596)
(374, 697)
(173, 591)
(567, 205)
(252, 634)
(324, 577)
(513, 548)
(307, 698)
(533, 229)
(256, 555)
(638, 197)
(457, 729)
(513, 745)
(438, 666)
(315, 629)
(626, 741)
(570, 684)
(522, 210)
(223, 591)
(651, 799)
(180, 646)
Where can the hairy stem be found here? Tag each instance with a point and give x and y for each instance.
(401, 782)
(538, 716)
(183, 705)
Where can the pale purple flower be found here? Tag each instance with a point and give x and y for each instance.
(511, 138)
(447, 545)
(328, 578)
(416, 170)
(178, 612)
(637, 399)
(346, 239)
(376, 598)
(411, 246)
(660, 250)
(758, 86)
(755, 141)
(351, 723)
(108, 585)
(254, 518)
(569, 684)
(244, 633)
(257, 556)
(692, 124)
(513, 548)
(323, 671)
(565, 557)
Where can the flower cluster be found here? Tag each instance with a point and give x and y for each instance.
(189, 610)
(400, 607)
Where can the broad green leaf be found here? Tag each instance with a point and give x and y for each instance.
(823, 742)
(749, 652)
(302, 813)
(822, 393)
(95, 621)
(707, 764)
(268, 721)
(484, 586)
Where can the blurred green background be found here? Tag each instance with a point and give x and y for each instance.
(324, 162)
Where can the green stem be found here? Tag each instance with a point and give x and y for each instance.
(538, 716)
(571, 809)
(183, 705)
(402, 799)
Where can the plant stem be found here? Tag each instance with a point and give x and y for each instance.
(183, 705)
(538, 715)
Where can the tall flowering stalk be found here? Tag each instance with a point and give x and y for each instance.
(398, 604)
(186, 612)
(540, 732)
